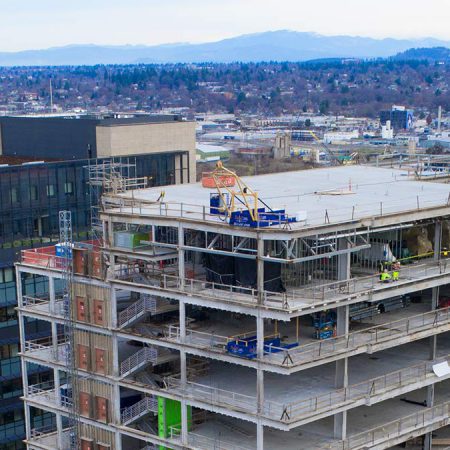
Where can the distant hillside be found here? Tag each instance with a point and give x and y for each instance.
(280, 45)
(430, 54)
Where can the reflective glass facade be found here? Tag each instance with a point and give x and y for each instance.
(31, 195)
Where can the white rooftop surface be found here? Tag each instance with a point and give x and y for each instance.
(208, 148)
(359, 192)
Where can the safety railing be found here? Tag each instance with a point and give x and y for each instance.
(35, 301)
(408, 273)
(309, 407)
(293, 299)
(355, 342)
(46, 392)
(48, 437)
(316, 216)
(47, 349)
(367, 390)
(438, 414)
(139, 409)
(43, 304)
(199, 441)
(147, 304)
(42, 257)
(46, 256)
(360, 341)
(138, 359)
(197, 338)
(42, 431)
(220, 397)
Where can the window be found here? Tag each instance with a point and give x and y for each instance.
(68, 188)
(50, 190)
(33, 192)
(8, 275)
(8, 351)
(7, 314)
(17, 226)
(14, 195)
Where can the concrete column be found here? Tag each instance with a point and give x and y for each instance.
(260, 268)
(52, 295)
(54, 328)
(183, 374)
(184, 406)
(23, 364)
(116, 409)
(428, 442)
(118, 440)
(57, 381)
(259, 436)
(19, 292)
(105, 232)
(110, 241)
(115, 359)
(113, 303)
(59, 430)
(259, 371)
(341, 375)
(182, 319)
(260, 342)
(181, 262)
(342, 329)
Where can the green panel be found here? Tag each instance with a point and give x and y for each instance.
(169, 414)
(138, 237)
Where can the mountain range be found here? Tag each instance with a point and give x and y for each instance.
(282, 45)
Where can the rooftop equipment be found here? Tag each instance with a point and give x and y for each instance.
(226, 203)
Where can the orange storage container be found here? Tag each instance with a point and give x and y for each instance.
(223, 181)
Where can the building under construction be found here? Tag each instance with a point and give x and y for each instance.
(303, 310)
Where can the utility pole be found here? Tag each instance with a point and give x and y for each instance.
(51, 96)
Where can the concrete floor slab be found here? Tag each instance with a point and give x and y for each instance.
(307, 190)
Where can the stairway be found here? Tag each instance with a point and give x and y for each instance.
(138, 360)
(146, 305)
(147, 427)
(140, 409)
(144, 357)
(145, 378)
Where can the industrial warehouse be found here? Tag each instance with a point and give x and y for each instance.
(300, 310)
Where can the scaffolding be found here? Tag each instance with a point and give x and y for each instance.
(113, 176)
(65, 237)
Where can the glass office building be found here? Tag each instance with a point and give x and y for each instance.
(31, 196)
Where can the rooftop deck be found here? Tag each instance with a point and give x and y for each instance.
(328, 195)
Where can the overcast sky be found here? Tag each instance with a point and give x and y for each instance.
(32, 24)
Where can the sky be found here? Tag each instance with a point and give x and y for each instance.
(36, 24)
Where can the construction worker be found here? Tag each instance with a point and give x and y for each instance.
(385, 276)
(381, 269)
(444, 252)
(395, 271)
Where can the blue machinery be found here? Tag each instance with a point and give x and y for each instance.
(254, 213)
(245, 347)
(324, 324)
